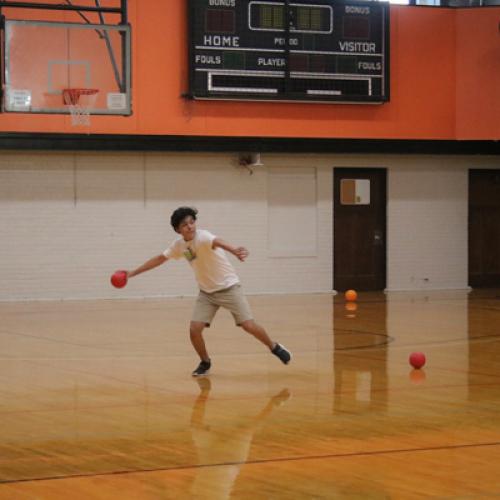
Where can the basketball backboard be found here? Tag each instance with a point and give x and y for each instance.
(44, 59)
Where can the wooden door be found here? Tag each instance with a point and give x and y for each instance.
(359, 228)
(484, 228)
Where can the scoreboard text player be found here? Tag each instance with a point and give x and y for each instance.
(304, 50)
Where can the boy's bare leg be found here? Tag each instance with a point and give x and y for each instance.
(196, 336)
(258, 332)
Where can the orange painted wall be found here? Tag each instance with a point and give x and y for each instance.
(426, 101)
(478, 74)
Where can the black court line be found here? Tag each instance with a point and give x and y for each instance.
(467, 340)
(390, 339)
(262, 461)
(124, 355)
(338, 332)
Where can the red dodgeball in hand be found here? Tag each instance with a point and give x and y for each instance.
(119, 279)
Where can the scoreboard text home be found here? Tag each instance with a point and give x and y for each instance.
(305, 50)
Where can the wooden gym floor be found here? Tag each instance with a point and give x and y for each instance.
(97, 401)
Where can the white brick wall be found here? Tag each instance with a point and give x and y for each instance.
(427, 213)
(67, 220)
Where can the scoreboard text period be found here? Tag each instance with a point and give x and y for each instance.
(304, 50)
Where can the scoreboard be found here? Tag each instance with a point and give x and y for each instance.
(289, 50)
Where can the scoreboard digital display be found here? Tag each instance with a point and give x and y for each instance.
(304, 50)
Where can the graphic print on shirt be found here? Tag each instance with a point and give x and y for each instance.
(190, 254)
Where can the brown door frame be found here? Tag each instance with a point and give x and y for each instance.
(490, 191)
(358, 172)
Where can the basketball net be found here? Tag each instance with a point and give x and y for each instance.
(80, 102)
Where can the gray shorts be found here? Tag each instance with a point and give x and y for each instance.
(231, 298)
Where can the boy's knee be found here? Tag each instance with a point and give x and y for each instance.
(249, 325)
(196, 328)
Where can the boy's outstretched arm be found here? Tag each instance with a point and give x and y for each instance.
(156, 261)
(239, 252)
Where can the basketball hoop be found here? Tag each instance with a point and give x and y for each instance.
(80, 108)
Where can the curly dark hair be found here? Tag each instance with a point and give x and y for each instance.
(180, 214)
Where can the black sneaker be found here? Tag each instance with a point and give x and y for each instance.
(282, 353)
(203, 369)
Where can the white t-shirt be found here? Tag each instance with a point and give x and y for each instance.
(211, 267)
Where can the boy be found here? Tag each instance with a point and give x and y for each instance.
(218, 282)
